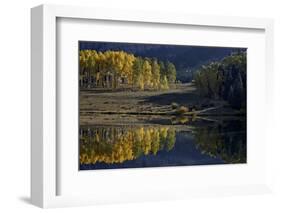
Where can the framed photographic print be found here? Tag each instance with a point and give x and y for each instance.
(148, 105)
(155, 105)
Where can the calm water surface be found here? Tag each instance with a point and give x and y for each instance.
(153, 145)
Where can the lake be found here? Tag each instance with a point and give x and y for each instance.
(185, 141)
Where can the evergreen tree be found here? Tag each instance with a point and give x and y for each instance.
(225, 79)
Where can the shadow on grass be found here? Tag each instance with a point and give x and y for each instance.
(184, 98)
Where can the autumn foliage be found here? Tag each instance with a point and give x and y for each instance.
(114, 69)
(118, 144)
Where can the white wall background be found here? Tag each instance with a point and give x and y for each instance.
(15, 104)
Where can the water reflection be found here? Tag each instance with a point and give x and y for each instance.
(133, 146)
(119, 144)
(226, 140)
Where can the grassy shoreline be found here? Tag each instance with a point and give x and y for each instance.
(126, 106)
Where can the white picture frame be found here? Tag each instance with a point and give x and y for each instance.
(44, 155)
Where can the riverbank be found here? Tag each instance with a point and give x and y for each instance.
(125, 105)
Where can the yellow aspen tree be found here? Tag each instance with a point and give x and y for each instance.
(155, 74)
(147, 73)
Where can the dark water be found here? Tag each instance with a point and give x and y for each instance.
(153, 145)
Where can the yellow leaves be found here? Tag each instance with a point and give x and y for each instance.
(97, 76)
(163, 132)
(117, 145)
(164, 83)
(147, 142)
(155, 75)
(97, 137)
(117, 67)
(147, 73)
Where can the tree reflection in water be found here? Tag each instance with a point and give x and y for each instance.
(118, 144)
(225, 141)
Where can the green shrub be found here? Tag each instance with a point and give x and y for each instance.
(174, 105)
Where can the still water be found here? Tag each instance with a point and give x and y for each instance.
(153, 145)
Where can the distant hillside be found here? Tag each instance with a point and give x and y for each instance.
(185, 58)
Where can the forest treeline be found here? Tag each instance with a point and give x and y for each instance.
(225, 79)
(112, 69)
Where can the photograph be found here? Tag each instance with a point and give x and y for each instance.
(160, 105)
